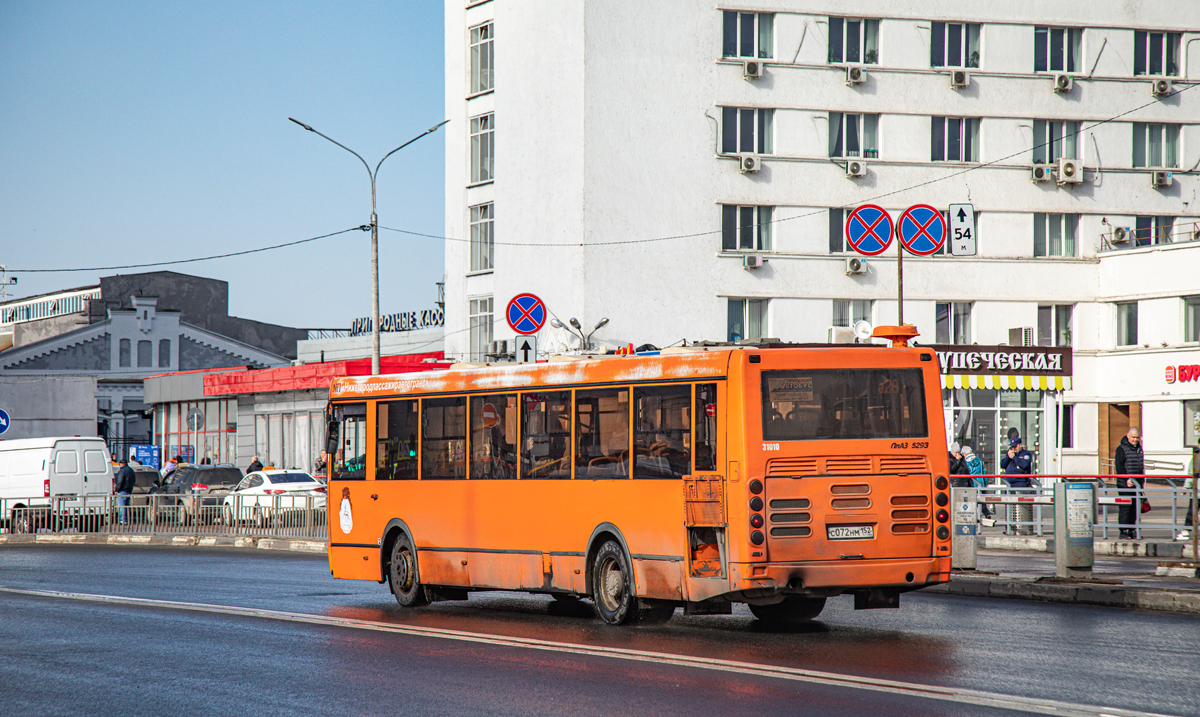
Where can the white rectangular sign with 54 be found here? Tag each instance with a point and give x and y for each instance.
(962, 229)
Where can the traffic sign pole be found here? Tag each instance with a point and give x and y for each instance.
(900, 281)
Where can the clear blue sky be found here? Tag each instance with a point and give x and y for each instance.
(133, 132)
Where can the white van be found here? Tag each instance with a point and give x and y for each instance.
(34, 470)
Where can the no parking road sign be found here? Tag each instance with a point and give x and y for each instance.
(526, 314)
(922, 230)
(869, 230)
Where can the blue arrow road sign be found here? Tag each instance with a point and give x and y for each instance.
(3, 420)
(869, 230)
(922, 229)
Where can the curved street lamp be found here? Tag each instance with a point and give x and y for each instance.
(374, 232)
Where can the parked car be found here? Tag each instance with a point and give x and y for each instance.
(146, 479)
(267, 496)
(72, 474)
(194, 492)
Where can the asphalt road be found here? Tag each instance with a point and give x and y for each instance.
(273, 633)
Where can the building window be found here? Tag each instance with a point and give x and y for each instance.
(481, 58)
(954, 45)
(1155, 145)
(837, 231)
(483, 148)
(1127, 323)
(1054, 140)
(747, 319)
(954, 139)
(852, 40)
(145, 353)
(1054, 234)
(748, 131)
(482, 217)
(953, 323)
(745, 228)
(1191, 318)
(748, 34)
(1067, 439)
(164, 353)
(847, 313)
(125, 353)
(1057, 49)
(853, 135)
(481, 328)
(1153, 230)
(1156, 53)
(1054, 325)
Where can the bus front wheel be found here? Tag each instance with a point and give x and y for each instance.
(793, 611)
(612, 585)
(402, 574)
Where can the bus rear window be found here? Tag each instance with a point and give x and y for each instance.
(824, 404)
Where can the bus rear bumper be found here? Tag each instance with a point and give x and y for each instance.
(835, 577)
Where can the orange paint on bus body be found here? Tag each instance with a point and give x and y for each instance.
(757, 473)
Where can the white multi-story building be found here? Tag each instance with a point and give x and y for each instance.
(598, 158)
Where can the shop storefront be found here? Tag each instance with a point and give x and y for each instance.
(992, 393)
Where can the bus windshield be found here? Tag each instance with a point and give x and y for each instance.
(823, 404)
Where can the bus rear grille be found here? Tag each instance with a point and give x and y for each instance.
(861, 489)
(792, 466)
(791, 532)
(911, 528)
(902, 464)
(848, 466)
(911, 514)
(790, 517)
(786, 503)
(910, 500)
(851, 503)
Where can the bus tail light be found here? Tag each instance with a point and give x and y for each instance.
(46, 488)
(756, 520)
(941, 483)
(757, 537)
(943, 516)
(943, 533)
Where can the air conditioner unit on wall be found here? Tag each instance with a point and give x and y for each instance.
(1160, 178)
(752, 261)
(752, 69)
(855, 75)
(1160, 87)
(1040, 173)
(750, 163)
(1020, 336)
(1069, 171)
(856, 265)
(856, 168)
(1120, 235)
(1063, 82)
(959, 78)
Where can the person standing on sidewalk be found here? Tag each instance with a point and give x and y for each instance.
(125, 481)
(1189, 522)
(1129, 462)
(975, 468)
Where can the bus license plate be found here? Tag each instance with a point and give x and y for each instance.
(850, 532)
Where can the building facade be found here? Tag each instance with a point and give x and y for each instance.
(685, 171)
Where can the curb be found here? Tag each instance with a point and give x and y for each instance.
(1164, 599)
(1124, 548)
(294, 545)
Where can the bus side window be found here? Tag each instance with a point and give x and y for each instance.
(350, 461)
(444, 438)
(602, 433)
(662, 431)
(706, 427)
(494, 437)
(546, 435)
(396, 430)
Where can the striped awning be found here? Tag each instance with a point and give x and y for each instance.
(1032, 383)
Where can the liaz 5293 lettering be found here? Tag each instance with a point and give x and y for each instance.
(775, 476)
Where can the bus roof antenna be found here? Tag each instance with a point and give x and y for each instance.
(898, 335)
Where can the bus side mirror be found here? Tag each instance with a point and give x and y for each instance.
(331, 444)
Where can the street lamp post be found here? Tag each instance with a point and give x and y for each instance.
(374, 232)
(585, 340)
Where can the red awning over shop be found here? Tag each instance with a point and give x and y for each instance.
(315, 375)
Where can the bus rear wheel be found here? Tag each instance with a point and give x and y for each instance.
(612, 585)
(402, 574)
(792, 612)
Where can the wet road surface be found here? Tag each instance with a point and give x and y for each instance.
(362, 654)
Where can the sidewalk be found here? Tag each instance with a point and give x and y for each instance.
(204, 541)
(1122, 578)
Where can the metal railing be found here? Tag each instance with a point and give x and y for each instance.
(1030, 511)
(280, 515)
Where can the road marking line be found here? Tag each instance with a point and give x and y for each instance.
(832, 679)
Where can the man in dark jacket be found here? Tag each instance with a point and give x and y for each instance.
(958, 468)
(255, 465)
(124, 483)
(1017, 464)
(1129, 461)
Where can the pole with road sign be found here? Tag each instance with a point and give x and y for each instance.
(962, 229)
(526, 314)
(527, 349)
(869, 230)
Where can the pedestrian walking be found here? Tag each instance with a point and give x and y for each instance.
(125, 481)
(1189, 522)
(255, 465)
(1129, 462)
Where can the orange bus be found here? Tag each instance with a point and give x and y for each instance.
(775, 476)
